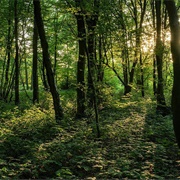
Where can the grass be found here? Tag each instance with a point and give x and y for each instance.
(135, 143)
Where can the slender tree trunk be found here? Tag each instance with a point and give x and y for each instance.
(55, 57)
(175, 44)
(26, 74)
(142, 76)
(91, 53)
(138, 25)
(161, 104)
(55, 46)
(91, 21)
(125, 62)
(44, 77)
(81, 62)
(154, 58)
(94, 93)
(154, 77)
(24, 52)
(47, 62)
(100, 69)
(9, 41)
(125, 70)
(35, 64)
(125, 57)
(17, 54)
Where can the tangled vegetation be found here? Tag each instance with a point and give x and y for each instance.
(135, 143)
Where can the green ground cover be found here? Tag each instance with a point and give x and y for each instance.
(135, 143)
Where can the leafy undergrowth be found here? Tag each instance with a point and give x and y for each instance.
(135, 143)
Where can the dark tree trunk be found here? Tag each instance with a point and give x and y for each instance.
(125, 54)
(138, 25)
(25, 60)
(17, 54)
(26, 74)
(55, 57)
(92, 91)
(154, 77)
(81, 63)
(91, 23)
(100, 69)
(125, 63)
(125, 69)
(142, 76)
(46, 61)
(44, 77)
(175, 44)
(81, 68)
(154, 58)
(9, 44)
(161, 104)
(55, 45)
(35, 64)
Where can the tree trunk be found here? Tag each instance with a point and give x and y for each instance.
(91, 21)
(161, 104)
(142, 76)
(93, 91)
(47, 62)
(138, 25)
(55, 45)
(91, 53)
(125, 53)
(154, 58)
(35, 64)
(44, 77)
(9, 44)
(80, 64)
(100, 69)
(24, 52)
(175, 44)
(17, 54)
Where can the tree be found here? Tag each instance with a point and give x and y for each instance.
(81, 60)
(161, 104)
(6, 78)
(138, 21)
(17, 54)
(35, 64)
(175, 44)
(47, 62)
(154, 58)
(91, 21)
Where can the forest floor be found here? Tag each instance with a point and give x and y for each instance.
(135, 142)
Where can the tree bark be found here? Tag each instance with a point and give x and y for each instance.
(81, 66)
(175, 44)
(91, 21)
(91, 53)
(154, 58)
(47, 62)
(139, 26)
(142, 75)
(44, 77)
(35, 65)
(17, 54)
(100, 68)
(9, 44)
(161, 104)
(55, 44)
(25, 59)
